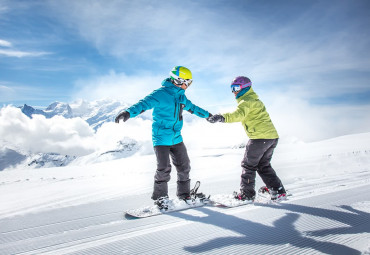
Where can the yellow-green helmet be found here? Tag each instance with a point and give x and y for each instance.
(180, 75)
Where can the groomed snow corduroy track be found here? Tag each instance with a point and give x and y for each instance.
(334, 223)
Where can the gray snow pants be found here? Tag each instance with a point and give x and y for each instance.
(181, 161)
(257, 157)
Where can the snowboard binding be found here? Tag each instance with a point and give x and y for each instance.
(201, 196)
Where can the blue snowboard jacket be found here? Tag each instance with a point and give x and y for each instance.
(167, 103)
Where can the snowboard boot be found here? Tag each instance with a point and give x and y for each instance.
(243, 196)
(277, 194)
(162, 203)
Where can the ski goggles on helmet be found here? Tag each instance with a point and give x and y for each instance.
(181, 81)
(238, 87)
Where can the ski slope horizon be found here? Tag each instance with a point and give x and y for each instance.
(78, 209)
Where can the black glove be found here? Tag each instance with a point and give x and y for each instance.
(210, 115)
(122, 116)
(216, 118)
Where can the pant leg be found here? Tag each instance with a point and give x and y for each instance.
(181, 161)
(265, 170)
(252, 156)
(163, 173)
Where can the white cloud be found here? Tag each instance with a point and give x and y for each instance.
(21, 54)
(138, 129)
(214, 46)
(122, 27)
(117, 86)
(9, 51)
(67, 136)
(296, 118)
(57, 135)
(155, 32)
(4, 43)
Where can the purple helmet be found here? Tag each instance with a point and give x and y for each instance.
(241, 80)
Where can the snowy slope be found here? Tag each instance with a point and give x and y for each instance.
(79, 209)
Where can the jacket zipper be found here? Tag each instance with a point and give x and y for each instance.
(174, 113)
(173, 127)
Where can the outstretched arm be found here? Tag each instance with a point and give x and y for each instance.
(237, 116)
(193, 109)
(147, 103)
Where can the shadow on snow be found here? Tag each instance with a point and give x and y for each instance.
(283, 231)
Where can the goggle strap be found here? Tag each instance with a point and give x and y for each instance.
(246, 85)
(240, 86)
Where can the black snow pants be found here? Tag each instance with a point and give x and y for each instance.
(181, 161)
(257, 158)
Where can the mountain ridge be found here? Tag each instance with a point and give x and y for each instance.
(95, 113)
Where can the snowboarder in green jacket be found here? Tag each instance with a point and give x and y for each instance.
(168, 103)
(263, 139)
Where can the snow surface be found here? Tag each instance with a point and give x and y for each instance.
(78, 209)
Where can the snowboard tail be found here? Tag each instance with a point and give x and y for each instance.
(263, 196)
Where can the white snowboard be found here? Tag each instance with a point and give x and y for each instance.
(174, 206)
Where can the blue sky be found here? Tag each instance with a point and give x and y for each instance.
(307, 55)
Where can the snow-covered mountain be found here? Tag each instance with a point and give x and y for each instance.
(95, 113)
(10, 158)
(60, 109)
(29, 110)
(20, 159)
(56, 108)
(49, 160)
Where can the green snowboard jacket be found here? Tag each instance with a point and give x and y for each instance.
(251, 112)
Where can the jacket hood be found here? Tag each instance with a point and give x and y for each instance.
(172, 88)
(242, 92)
(249, 93)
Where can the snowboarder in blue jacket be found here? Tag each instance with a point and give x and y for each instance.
(168, 103)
